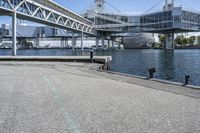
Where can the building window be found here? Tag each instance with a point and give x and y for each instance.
(7, 32)
(55, 31)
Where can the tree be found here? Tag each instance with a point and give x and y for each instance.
(156, 45)
(162, 38)
(179, 40)
(185, 41)
(198, 39)
(191, 40)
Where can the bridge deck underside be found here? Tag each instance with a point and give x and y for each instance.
(4, 13)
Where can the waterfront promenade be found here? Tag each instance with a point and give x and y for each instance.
(60, 97)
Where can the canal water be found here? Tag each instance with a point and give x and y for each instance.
(170, 65)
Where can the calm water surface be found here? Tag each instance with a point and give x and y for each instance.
(170, 65)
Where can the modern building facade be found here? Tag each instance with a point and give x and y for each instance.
(29, 36)
(169, 21)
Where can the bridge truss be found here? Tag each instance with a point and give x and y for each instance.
(45, 12)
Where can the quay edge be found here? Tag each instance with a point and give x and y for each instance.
(85, 59)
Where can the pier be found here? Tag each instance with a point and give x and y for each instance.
(86, 59)
(75, 97)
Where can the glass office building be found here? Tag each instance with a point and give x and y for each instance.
(190, 20)
(175, 20)
(159, 20)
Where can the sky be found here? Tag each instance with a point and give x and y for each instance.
(125, 6)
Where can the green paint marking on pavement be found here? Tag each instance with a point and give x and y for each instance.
(70, 124)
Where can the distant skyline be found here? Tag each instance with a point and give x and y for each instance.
(129, 7)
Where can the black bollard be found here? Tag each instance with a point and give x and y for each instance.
(187, 77)
(91, 55)
(151, 72)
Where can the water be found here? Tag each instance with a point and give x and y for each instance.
(170, 65)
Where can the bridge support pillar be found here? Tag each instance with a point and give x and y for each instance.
(82, 48)
(103, 42)
(73, 42)
(108, 44)
(62, 42)
(14, 31)
(66, 42)
(169, 42)
(97, 43)
(113, 43)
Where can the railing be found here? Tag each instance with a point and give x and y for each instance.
(63, 10)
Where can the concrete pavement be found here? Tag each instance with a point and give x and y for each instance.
(37, 97)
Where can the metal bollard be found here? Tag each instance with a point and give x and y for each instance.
(151, 72)
(187, 77)
(91, 55)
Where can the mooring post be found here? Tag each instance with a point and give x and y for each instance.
(151, 72)
(187, 77)
(14, 37)
(91, 55)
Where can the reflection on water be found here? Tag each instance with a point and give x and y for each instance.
(170, 65)
(166, 65)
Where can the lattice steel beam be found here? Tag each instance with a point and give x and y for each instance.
(34, 10)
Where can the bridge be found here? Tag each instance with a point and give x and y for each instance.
(45, 12)
(101, 24)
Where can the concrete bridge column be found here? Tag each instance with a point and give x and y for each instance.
(122, 40)
(14, 37)
(82, 48)
(103, 42)
(61, 42)
(108, 44)
(66, 42)
(97, 43)
(113, 43)
(73, 42)
(169, 42)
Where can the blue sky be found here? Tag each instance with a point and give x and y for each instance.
(123, 5)
(126, 6)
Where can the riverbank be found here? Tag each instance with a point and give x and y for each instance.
(75, 97)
